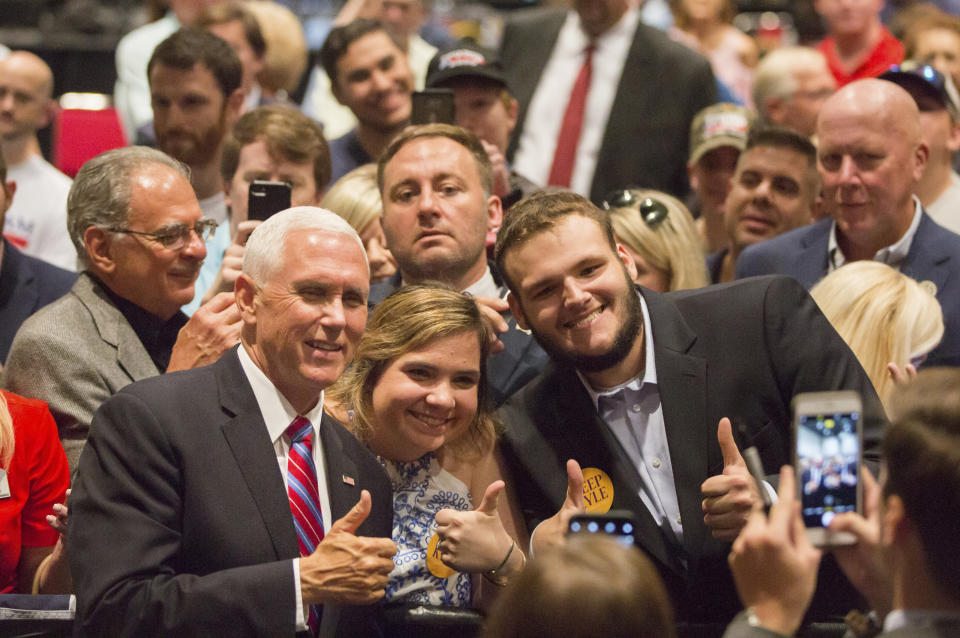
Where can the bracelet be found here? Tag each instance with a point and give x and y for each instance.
(491, 575)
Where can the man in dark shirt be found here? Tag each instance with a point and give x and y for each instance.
(137, 227)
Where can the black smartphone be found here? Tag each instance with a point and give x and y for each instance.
(433, 106)
(618, 524)
(827, 457)
(266, 198)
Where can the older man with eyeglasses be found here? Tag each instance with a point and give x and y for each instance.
(137, 227)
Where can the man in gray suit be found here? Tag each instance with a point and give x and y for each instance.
(137, 227)
(906, 559)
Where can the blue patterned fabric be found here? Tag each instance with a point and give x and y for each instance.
(421, 489)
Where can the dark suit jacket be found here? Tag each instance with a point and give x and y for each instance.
(180, 523)
(663, 85)
(740, 350)
(26, 285)
(934, 256)
(521, 359)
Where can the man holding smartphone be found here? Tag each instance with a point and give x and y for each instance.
(273, 143)
(643, 387)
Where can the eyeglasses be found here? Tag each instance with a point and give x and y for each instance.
(652, 211)
(175, 236)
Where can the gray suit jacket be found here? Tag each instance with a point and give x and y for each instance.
(74, 354)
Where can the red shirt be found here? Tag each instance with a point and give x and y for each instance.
(888, 52)
(38, 477)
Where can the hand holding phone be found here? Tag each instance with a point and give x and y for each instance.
(827, 457)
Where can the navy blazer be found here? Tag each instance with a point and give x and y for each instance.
(26, 285)
(934, 256)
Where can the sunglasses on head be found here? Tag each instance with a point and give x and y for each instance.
(651, 210)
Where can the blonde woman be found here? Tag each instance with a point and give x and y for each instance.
(658, 233)
(356, 198)
(416, 395)
(35, 478)
(889, 320)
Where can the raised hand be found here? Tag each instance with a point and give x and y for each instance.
(212, 330)
(345, 568)
(476, 541)
(773, 563)
(553, 530)
(729, 497)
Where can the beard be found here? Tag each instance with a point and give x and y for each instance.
(193, 149)
(618, 350)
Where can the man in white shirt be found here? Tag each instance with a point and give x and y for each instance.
(195, 88)
(643, 92)
(187, 517)
(37, 220)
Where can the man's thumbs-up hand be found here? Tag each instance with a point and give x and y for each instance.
(345, 568)
(729, 496)
(553, 530)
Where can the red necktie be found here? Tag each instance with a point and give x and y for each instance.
(566, 152)
(304, 497)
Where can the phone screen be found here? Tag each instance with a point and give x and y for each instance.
(828, 457)
(618, 526)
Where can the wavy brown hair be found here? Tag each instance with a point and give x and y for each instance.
(409, 319)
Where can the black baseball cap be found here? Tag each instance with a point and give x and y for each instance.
(465, 59)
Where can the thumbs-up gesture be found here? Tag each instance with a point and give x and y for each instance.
(729, 497)
(475, 541)
(345, 568)
(553, 530)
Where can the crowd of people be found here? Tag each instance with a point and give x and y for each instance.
(587, 290)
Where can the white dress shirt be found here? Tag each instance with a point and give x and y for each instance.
(892, 255)
(538, 142)
(278, 414)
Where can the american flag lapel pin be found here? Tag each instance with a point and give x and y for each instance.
(348, 479)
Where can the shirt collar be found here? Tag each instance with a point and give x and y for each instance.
(892, 255)
(649, 370)
(277, 412)
(485, 286)
(624, 28)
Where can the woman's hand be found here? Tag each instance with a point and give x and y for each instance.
(476, 541)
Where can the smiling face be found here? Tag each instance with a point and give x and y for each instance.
(870, 159)
(426, 397)
(303, 323)
(156, 278)
(772, 193)
(435, 212)
(374, 81)
(574, 293)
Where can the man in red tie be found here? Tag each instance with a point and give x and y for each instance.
(605, 101)
(224, 501)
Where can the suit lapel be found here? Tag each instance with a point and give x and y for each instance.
(248, 440)
(18, 290)
(811, 262)
(930, 263)
(681, 379)
(343, 480)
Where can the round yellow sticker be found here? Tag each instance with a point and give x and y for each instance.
(434, 564)
(597, 491)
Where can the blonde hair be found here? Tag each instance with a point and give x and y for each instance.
(7, 441)
(673, 245)
(883, 315)
(409, 319)
(356, 197)
(286, 56)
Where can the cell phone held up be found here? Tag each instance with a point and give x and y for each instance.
(617, 524)
(432, 106)
(828, 450)
(266, 198)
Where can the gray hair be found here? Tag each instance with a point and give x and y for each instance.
(265, 247)
(100, 195)
(774, 75)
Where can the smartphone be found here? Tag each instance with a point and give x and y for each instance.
(266, 198)
(433, 106)
(828, 451)
(618, 524)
